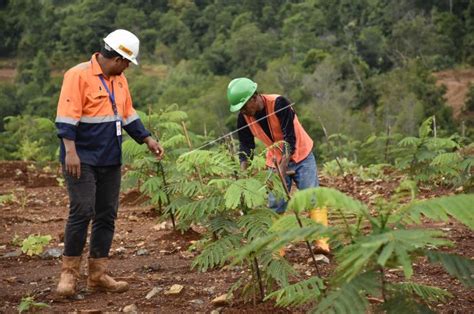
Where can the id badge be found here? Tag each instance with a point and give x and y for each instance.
(118, 127)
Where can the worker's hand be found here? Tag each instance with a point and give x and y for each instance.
(154, 147)
(72, 161)
(73, 164)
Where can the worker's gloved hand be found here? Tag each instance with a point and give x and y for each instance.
(154, 147)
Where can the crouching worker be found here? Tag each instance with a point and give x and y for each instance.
(271, 119)
(94, 105)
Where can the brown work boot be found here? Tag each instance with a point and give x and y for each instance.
(99, 280)
(69, 274)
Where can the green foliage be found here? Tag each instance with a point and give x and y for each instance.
(428, 293)
(34, 244)
(439, 209)
(7, 198)
(29, 138)
(460, 267)
(29, 304)
(215, 253)
(429, 158)
(361, 262)
(299, 293)
(349, 297)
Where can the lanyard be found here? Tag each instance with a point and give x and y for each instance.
(111, 95)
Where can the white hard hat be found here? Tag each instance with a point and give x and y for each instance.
(125, 43)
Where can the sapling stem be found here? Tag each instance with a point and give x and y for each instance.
(259, 278)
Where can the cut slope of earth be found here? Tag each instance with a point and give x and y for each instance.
(457, 84)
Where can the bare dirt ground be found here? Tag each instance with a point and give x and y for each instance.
(457, 84)
(148, 254)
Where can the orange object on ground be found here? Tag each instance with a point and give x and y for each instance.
(320, 215)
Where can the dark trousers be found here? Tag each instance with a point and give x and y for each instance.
(94, 196)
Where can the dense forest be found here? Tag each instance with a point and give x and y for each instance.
(362, 67)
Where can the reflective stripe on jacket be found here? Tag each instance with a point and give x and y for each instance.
(304, 143)
(85, 114)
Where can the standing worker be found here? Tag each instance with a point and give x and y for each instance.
(271, 119)
(94, 105)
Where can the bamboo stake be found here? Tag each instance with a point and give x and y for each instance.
(282, 179)
(162, 170)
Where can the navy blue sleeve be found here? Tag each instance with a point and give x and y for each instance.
(286, 117)
(66, 130)
(246, 139)
(137, 131)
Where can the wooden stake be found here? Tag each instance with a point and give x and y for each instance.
(282, 179)
(165, 184)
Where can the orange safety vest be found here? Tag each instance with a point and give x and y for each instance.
(304, 143)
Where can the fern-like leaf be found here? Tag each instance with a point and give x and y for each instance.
(275, 241)
(256, 223)
(427, 293)
(326, 197)
(395, 244)
(459, 207)
(279, 269)
(251, 191)
(460, 267)
(350, 297)
(300, 293)
(197, 210)
(215, 253)
(409, 142)
(222, 224)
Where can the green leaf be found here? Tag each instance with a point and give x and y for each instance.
(279, 269)
(355, 257)
(350, 297)
(460, 267)
(425, 128)
(34, 245)
(409, 142)
(215, 253)
(458, 206)
(308, 199)
(251, 191)
(427, 293)
(256, 223)
(300, 293)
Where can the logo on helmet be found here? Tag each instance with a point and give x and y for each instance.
(126, 50)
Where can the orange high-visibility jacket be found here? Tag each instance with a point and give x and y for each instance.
(86, 116)
(304, 143)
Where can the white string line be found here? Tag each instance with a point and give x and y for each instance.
(241, 128)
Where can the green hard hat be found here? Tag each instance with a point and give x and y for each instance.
(239, 92)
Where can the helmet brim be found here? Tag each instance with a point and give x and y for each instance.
(237, 107)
